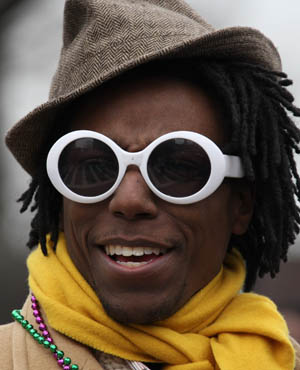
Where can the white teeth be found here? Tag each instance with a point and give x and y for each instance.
(118, 250)
(125, 251)
(156, 251)
(139, 251)
(132, 264)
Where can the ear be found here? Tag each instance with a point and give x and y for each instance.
(244, 198)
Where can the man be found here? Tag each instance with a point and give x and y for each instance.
(163, 182)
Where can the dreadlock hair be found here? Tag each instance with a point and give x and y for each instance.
(257, 108)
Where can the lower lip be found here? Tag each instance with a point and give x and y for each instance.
(152, 266)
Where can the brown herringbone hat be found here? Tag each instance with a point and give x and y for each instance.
(103, 38)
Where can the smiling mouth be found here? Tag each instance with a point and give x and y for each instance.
(133, 257)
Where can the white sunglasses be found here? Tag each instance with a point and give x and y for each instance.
(180, 167)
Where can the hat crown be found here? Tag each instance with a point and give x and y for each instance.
(104, 34)
(113, 16)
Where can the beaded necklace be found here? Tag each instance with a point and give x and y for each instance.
(43, 337)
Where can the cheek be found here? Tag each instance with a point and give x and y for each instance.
(210, 222)
(208, 230)
(78, 220)
(78, 217)
(211, 232)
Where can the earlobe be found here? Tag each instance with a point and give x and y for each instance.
(243, 208)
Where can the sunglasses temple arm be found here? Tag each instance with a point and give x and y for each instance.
(233, 166)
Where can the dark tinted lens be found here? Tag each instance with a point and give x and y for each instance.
(179, 167)
(88, 167)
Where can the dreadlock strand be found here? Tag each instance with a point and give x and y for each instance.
(42, 214)
(222, 83)
(235, 110)
(286, 82)
(254, 106)
(273, 85)
(242, 102)
(26, 197)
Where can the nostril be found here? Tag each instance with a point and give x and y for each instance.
(134, 216)
(144, 215)
(118, 214)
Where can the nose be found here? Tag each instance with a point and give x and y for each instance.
(133, 199)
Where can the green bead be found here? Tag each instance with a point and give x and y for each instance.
(36, 336)
(67, 361)
(46, 344)
(53, 348)
(60, 354)
(20, 318)
(32, 331)
(28, 327)
(24, 323)
(16, 314)
(74, 367)
(41, 339)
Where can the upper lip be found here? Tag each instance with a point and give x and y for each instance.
(137, 242)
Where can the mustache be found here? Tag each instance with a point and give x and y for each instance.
(134, 234)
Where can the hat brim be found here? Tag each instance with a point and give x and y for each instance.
(26, 138)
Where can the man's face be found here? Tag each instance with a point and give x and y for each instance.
(195, 237)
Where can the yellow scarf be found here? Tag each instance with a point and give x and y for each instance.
(219, 328)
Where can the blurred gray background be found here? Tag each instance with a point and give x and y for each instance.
(30, 41)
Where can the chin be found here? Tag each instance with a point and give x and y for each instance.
(137, 313)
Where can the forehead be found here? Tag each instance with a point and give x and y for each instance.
(144, 106)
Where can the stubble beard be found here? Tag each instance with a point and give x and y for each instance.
(145, 316)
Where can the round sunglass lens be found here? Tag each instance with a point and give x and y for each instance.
(179, 167)
(88, 167)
